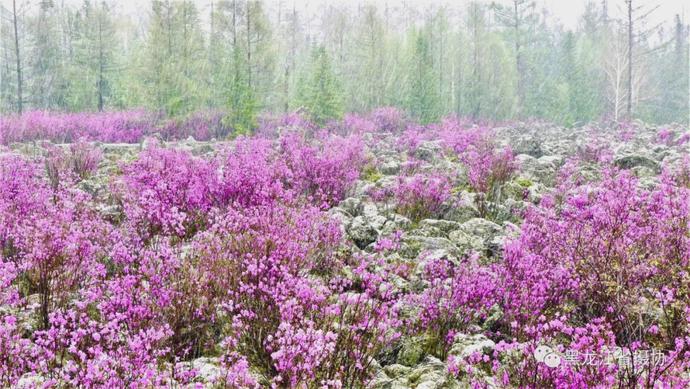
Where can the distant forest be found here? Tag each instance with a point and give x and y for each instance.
(481, 60)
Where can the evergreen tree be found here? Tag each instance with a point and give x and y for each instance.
(242, 105)
(423, 98)
(320, 91)
(171, 59)
(92, 65)
(46, 81)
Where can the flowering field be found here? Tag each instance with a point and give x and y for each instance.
(373, 252)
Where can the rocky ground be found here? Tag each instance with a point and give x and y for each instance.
(452, 231)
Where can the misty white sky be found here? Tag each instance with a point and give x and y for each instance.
(566, 11)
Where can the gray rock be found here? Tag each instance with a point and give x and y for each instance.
(382, 381)
(397, 370)
(30, 381)
(644, 172)
(465, 345)
(551, 161)
(431, 373)
(529, 146)
(635, 160)
(378, 222)
(351, 205)
(477, 235)
(208, 369)
(151, 141)
(390, 168)
(411, 352)
(120, 149)
(413, 245)
(362, 188)
(368, 210)
(547, 168)
(481, 227)
(394, 223)
(427, 151)
(462, 209)
(445, 226)
(362, 232)
(429, 231)
(110, 212)
(342, 216)
(466, 242)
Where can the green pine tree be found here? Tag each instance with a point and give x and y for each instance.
(320, 93)
(242, 104)
(423, 98)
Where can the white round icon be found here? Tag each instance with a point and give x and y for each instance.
(541, 352)
(552, 360)
(548, 356)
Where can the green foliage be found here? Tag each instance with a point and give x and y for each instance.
(488, 85)
(370, 173)
(171, 58)
(319, 91)
(423, 99)
(495, 62)
(242, 106)
(523, 182)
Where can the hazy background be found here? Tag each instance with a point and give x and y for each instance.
(566, 62)
(566, 12)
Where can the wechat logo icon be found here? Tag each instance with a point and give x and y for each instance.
(546, 355)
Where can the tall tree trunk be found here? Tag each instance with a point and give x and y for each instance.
(19, 61)
(249, 46)
(234, 25)
(101, 65)
(169, 27)
(475, 65)
(286, 88)
(518, 58)
(630, 58)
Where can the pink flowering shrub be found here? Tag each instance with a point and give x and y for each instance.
(597, 256)
(515, 365)
(487, 171)
(324, 171)
(54, 239)
(611, 227)
(233, 257)
(263, 264)
(487, 168)
(59, 252)
(126, 126)
(201, 125)
(77, 162)
(595, 151)
(84, 158)
(22, 194)
(457, 295)
(168, 191)
(421, 196)
(626, 131)
(665, 136)
(459, 135)
(113, 127)
(271, 126)
(388, 119)
(17, 354)
(352, 124)
(683, 139)
(410, 139)
(84, 351)
(252, 173)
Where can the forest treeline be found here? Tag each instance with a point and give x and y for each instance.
(477, 59)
